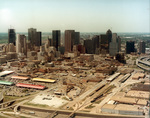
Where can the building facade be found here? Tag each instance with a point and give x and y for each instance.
(11, 36)
(56, 36)
(34, 37)
(130, 47)
(69, 40)
(141, 47)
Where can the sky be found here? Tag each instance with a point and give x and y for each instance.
(79, 15)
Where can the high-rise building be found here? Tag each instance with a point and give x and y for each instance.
(114, 45)
(130, 47)
(21, 46)
(77, 38)
(96, 43)
(141, 47)
(56, 34)
(34, 37)
(119, 43)
(89, 46)
(38, 39)
(69, 40)
(120, 57)
(109, 34)
(104, 43)
(11, 36)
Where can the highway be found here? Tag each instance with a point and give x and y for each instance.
(145, 61)
(69, 114)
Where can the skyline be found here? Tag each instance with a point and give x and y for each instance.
(83, 16)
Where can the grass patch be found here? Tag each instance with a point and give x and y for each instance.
(9, 98)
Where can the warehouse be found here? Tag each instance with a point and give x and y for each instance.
(138, 94)
(111, 78)
(6, 83)
(122, 109)
(30, 86)
(20, 77)
(43, 80)
(4, 73)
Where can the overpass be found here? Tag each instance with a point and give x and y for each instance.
(143, 63)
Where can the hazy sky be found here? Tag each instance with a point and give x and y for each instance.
(81, 15)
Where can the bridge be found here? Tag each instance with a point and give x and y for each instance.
(143, 63)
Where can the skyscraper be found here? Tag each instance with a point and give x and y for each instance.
(130, 47)
(113, 45)
(11, 36)
(104, 43)
(77, 38)
(69, 40)
(109, 34)
(141, 47)
(119, 43)
(34, 37)
(56, 34)
(89, 46)
(21, 46)
(38, 41)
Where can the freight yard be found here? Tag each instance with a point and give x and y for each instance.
(94, 84)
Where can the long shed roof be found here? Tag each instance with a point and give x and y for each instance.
(43, 80)
(30, 86)
(20, 77)
(6, 83)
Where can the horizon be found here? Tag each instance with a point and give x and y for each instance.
(83, 16)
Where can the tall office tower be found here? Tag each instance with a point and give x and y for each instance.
(120, 57)
(141, 47)
(21, 46)
(109, 34)
(113, 45)
(89, 46)
(38, 41)
(96, 43)
(104, 44)
(119, 43)
(32, 36)
(130, 47)
(56, 34)
(77, 38)
(69, 39)
(11, 36)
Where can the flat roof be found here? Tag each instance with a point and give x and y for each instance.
(142, 102)
(20, 77)
(138, 94)
(124, 99)
(5, 73)
(6, 83)
(113, 76)
(127, 107)
(30, 86)
(43, 80)
(109, 106)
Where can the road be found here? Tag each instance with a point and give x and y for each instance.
(118, 88)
